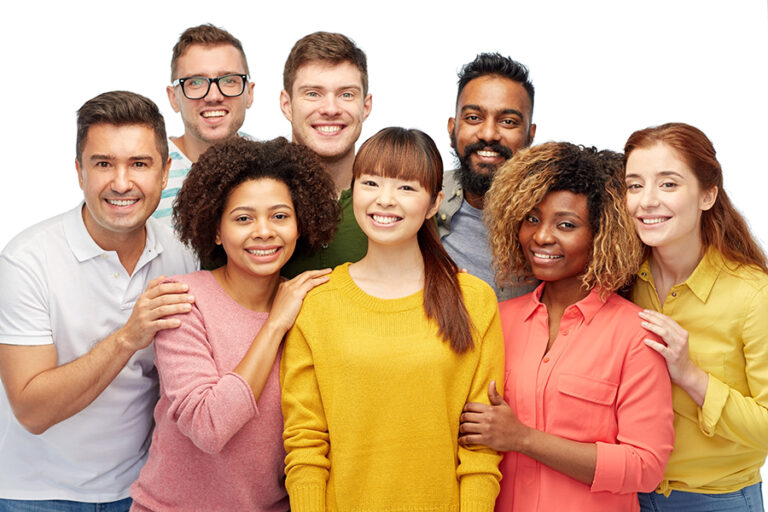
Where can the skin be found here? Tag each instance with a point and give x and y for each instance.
(118, 162)
(326, 108)
(260, 215)
(558, 226)
(490, 110)
(201, 132)
(390, 212)
(666, 200)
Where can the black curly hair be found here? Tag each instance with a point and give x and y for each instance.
(199, 205)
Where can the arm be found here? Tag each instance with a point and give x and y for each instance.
(42, 394)
(724, 410)
(306, 428)
(478, 470)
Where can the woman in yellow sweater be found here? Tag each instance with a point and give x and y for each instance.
(705, 286)
(382, 358)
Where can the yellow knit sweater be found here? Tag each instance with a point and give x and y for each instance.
(372, 398)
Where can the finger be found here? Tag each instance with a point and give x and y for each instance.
(166, 323)
(309, 274)
(168, 310)
(170, 299)
(476, 407)
(660, 331)
(658, 347)
(493, 395)
(165, 288)
(470, 417)
(470, 439)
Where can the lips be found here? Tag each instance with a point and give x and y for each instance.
(385, 219)
(213, 113)
(122, 202)
(652, 221)
(328, 129)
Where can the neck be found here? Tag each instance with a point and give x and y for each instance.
(674, 265)
(252, 292)
(340, 171)
(128, 245)
(190, 146)
(390, 271)
(558, 295)
(476, 201)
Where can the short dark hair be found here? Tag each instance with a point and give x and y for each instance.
(495, 64)
(327, 47)
(199, 205)
(206, 35)
(120, 108)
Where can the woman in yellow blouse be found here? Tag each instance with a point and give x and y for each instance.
(704, 285)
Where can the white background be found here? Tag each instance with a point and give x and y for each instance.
(601, 69)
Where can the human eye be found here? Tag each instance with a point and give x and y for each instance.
(196, 82)
(472, 118)
(312, 94)
(531, 219)
(634, 186)
(281, 216)
(566, 224)
(509, 123)
(348, 95)
(242, 218)
(102, 164)
(668, 184)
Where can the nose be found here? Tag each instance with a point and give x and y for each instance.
(329, 105)
(386, 196)
(489, 131)
(649, 197)
(121, 181)
(214, 94)
(261, 229)
(543, 235)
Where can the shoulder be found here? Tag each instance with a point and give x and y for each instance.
(173, 251)
(46, 232)
(479, 298)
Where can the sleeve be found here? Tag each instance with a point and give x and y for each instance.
(478, 469)
(208, 408)
(24, 310)
(306, 429)
(726, 411)
(644, 424)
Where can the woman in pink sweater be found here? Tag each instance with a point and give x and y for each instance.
(217, 444)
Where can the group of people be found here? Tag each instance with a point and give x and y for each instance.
(546, 327)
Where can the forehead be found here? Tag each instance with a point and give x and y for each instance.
(262, 192)
(126, 140)
(495, 94)
(328, 75)
(210, 60)
(564, 201)
(656, 159)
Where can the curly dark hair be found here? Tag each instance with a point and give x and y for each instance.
(523, 182)
(199, 205)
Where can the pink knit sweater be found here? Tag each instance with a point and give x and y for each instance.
(214, 447)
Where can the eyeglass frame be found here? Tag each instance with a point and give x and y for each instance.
(180, 82)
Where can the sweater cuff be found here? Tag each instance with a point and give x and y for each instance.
(712, 408)
(478, 492)
(307, 497)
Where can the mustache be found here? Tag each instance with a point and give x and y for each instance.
(478, 146)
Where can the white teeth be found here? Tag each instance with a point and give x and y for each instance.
(262, 252)
(657, 220)
(122, 202)
(488, 154)
(546, 256)
(214, 113)
(384, 220)
(328, 129)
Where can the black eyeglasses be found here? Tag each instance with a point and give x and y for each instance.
(197, 87)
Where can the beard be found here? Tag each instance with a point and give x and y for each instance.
(473, 180)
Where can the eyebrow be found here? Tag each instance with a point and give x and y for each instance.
(113, 157)
(662, 173)
(564, 213)
(343, 87)
(252, 209)
(512, 111)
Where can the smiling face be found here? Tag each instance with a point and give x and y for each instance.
(258, 228)
(122, 176)
(214, 117)
(390, 211)
(327, 108)
(665, 199)
(493, 121)
(556, 237)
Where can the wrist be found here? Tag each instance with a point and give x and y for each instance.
(694, 381)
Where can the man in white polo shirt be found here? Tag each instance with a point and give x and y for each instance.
(81, 300)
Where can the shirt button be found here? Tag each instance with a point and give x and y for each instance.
(546, 359)
(674, 294)
(104, 256)
(117, 275)
(443, 216)
(643, 274)
(565, 332)
(325, 246)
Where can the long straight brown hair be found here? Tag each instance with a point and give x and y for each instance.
(721, 226)
(412, 155)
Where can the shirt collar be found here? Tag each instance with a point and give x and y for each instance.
(701, 280)
(588, 306)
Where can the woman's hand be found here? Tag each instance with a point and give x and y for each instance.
(682, 370)
(290, 295)
(494, 426)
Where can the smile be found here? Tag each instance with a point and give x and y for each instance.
(385, 219)
(262, 252)
(546, 256)
(488, 154)
(214, 113)
(122, 202)
(655, 220)
(328, 129)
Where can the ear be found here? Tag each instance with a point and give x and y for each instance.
(285, 105)
(249, 92)
(531, 133)
(217, 239)
(367, 105)
(707, 199)
(436, 205)
(79, 173)
(171, 91)
(166, 170)
(451, 126)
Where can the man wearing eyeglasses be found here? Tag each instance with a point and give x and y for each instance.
(211, 90)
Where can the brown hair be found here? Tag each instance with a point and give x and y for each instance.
(327, 47)
(412, 155)
(721, 226)
(199, 205)
(206, 35)
(525, 180)
(120, 108)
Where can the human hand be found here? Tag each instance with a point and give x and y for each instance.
(158, 301)
(290, 295)
(494, 426)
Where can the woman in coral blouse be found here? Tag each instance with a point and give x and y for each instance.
(217, 443)
(383, 357)
(587, 421)
(705, 287)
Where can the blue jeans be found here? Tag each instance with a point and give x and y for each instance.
(748, 499)
(63, 506)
